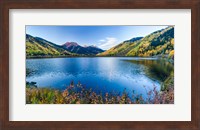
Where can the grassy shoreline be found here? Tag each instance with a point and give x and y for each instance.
(77, 94)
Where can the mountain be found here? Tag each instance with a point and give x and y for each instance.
(86, 50)
(156, 43)
(160, 42)
(133, 39)
(36, 46)
(93, 49)
(121, 49)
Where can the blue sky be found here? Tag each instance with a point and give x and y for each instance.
(103, 37)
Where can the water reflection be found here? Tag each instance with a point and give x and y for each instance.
(157, 69)
(101, 74)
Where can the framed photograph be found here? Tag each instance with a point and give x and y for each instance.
(105, 64)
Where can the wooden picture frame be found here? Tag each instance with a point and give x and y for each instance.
(194, 5)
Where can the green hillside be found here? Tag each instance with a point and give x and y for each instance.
(122, 49)
(39, 47)
(156, 43)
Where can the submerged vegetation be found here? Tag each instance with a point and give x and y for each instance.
(77, 94)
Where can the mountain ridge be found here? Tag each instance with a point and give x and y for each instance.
(160, 42)
(156, 43)
(83, 50)
(36, 46)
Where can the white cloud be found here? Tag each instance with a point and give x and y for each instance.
(107, 43)
(102, 40)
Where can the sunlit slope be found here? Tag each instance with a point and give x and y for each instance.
(121, 49)
(156, 43)
(39, 47)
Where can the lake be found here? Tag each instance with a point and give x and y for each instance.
(102, 74)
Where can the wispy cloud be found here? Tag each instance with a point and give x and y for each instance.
(102, 40)
(107, 43)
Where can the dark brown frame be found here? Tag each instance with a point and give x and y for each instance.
(194, 5)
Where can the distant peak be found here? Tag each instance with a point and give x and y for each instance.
(67, 44)
(92, 46)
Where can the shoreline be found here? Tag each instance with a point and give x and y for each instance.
(43, 57)
(77, 94)
(160, 57)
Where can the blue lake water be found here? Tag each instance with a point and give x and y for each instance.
(102, 74)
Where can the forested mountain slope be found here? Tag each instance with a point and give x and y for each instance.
(156, 43)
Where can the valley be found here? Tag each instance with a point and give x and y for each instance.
(159, 43)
